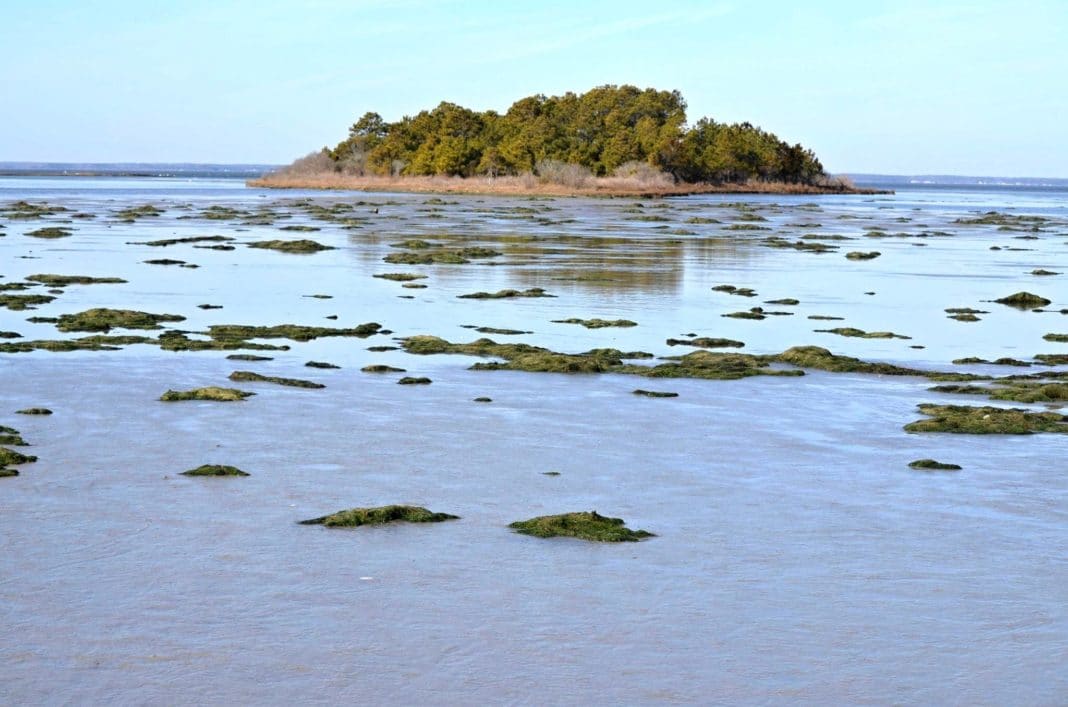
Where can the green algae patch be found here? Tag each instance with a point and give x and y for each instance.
(709, 365)
(381, 368)
(252, 376)
(299, 246)
(215, 470)
(1004, 361)
(1059, 338)
(50, 280)
(34, 411)
(859, 255)
(7, 473)
(414, 380)
(585, 525)
(932, 465)
(654, 393)
(822, 359)
(19, 303)
(1052, 359)
(355, 517)
(239, 332)
(208, 393)
(755, 313)
(707, 342)
(9, 457)
(964, 317)
(248, 357)
(965, 419)
(192, 239)
(861, 334)
(399, 276)
(50, 232)
(784, 300)
(495, 330)
(1044, 272)
(321, 364)
(597, 323)
(732, 290)
(1023, 300)
(87, 343)
(507, 294)
(103, 319)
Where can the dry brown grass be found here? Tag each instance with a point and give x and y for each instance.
(527, 185)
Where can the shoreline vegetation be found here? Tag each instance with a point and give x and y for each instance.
(610, 141)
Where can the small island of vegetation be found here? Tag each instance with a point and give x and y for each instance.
(611, 140)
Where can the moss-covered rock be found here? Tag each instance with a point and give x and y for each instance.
(215, 470)
(103, 319)
(252, 376)
(586, 525)
(399, 276)
(51, 232)
(299, 246)
(9, 457)
(321, 364)
(192, 239)
(654, 393)
(1023, 300)
(354, 517)
(859, 255)
(207, 393)
(248, 357)
(507, 294)
(18, 303)
(964, 419)
(932, 465)
(597, 323)
(50, 280)
(861, 334)
(222, 332)
(381, 368)
(34, 411)
(414, 380)
(707, 342)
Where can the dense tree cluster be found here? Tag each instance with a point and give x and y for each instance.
(602, 130)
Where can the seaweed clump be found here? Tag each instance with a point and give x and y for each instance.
(215, 470)
(597, 323)
(252, 376)
(586, 525)
(209, 393)
(965, 419)
(299, 246)
(50, 280)
(932, 465)
(103, 319)
(354, 517)
(654, 393)
(507, 294)
(861, 334)
(859, 255)
(34, 411)
(240, 332)
(50, 232)
(707, 342)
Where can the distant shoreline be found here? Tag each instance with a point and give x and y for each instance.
(520, 186)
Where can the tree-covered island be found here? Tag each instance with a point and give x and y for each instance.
(609, 140)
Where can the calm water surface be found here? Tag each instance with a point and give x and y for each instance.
(797, 558)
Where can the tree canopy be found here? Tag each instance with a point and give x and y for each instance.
(601, 130)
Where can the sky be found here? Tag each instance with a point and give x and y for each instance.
(902, 87)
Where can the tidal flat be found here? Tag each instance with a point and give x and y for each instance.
(797, 556)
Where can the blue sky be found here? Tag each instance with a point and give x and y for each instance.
(898, 87)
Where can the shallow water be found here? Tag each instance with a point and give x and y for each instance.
(798, 559)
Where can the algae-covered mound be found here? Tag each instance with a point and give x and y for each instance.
(822, 359)
(859, 255)
(321, 364)
(50, 232)
(50, 280)
(9, 457)
(861, 334)
(354, 517)
(932, 465)
(34, 411)
(208, 393)
(507, 294)
(1023, 300)
(240, 332)
(587, 525)
(258, 378)
(103, 319)
(18, 303)
(300, 246)
(399, 276)
(654, 393)
(381, 368)
(964, 419)
(9, 435)
(707, 342)
(215, 470)
(414, 380)
(597, 323)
